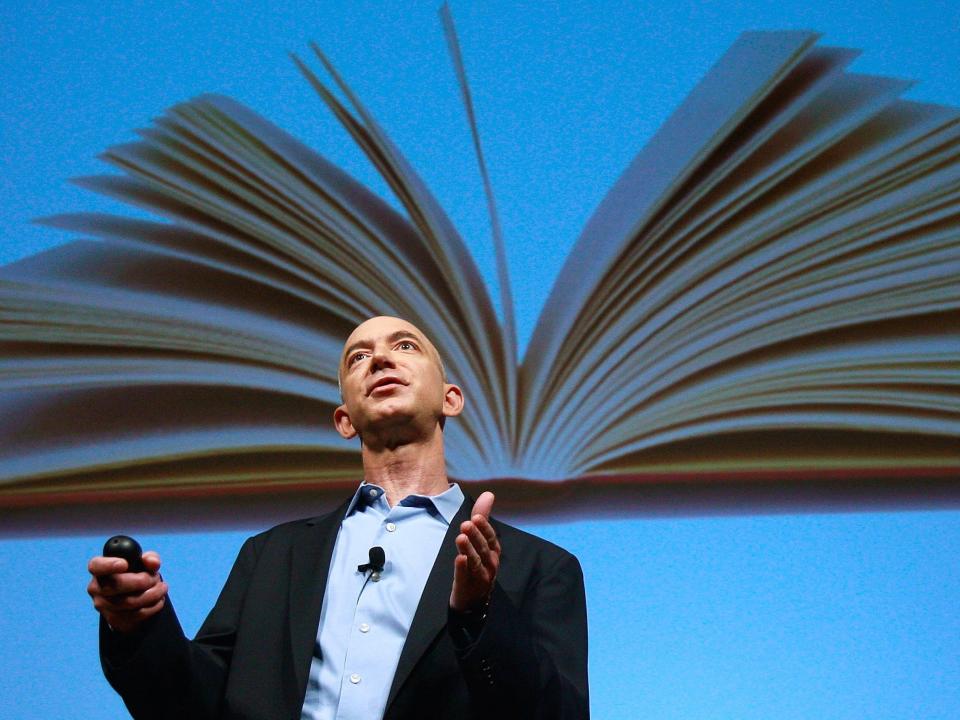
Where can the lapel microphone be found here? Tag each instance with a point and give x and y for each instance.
(377, 560)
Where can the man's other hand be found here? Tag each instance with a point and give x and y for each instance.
(126, 599)
(478, 558)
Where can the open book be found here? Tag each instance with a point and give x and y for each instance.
(770, 292)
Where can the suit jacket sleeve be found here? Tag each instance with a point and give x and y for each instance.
(160, 674)
(530, 659)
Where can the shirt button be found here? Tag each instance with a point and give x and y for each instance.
(354, 678)
(391, 527)
(364, 627)
(372, 492)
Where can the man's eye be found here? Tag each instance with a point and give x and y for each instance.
(355, 357)
(406, 345)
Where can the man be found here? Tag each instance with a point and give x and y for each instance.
(468, 617)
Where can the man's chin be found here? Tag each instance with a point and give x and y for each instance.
(395, 423)
(388, 417)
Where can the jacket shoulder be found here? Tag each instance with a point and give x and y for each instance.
(291, 529)
(514, 539)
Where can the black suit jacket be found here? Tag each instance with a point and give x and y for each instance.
(251, 658)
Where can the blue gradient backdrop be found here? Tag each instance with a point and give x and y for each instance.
(780, 616)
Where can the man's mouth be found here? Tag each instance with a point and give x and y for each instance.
(384, 383)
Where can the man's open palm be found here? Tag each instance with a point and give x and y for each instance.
(478, 558)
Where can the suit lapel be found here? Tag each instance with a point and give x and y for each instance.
(309, 568)
(431, 615)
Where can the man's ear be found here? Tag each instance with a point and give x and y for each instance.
(341, 421)
(452, 400)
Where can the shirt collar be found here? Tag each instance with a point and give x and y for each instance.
(446, 503)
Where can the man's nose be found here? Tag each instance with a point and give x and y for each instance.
(381, 358)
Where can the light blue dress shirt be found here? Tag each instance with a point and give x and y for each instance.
(364, 621)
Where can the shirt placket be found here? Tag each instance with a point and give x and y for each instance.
(364, 675)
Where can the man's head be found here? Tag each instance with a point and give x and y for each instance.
(392, 380)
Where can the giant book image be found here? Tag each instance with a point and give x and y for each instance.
(768, 294)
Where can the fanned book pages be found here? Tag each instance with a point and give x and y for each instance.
(769, 293)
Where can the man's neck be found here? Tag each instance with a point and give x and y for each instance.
(414, 468)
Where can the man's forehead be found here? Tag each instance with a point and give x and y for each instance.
(369, 331)
(378, 327)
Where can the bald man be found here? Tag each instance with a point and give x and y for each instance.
(462, 616)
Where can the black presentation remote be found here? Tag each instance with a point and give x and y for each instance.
(127, 548)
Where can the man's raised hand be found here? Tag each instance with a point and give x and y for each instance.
(478, 558)
(126, 599)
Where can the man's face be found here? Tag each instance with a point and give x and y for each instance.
(391, 376)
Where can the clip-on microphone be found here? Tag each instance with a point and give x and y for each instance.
(377, 560)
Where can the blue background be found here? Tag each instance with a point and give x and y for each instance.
(786, 616)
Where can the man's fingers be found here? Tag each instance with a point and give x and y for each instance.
(477, 538)
(480, 558)
(135, 601)
(101, 565)
(475, 567)
(467, 549)
(128, 606)
(124, 583)
(147, 612)
(460, 572)
(480, 517)
(93, 587)
(483, 505)
(128, 583)
(126, 621)
(482, 535)
(106, 565)
(489, 534)
(123, 598)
